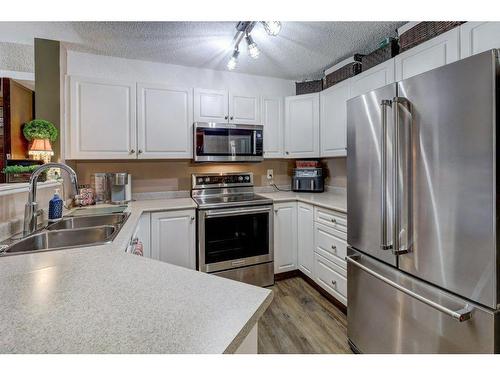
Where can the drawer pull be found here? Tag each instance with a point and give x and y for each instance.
(334, 247)
(334, 283)
(334, 221)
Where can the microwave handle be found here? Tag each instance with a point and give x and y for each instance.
(255, 142)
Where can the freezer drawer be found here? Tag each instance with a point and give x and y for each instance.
(392, 312)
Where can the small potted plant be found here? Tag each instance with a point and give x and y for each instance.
(40, 134)
(21, 173)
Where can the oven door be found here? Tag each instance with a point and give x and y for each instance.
(228, 142)
(234, 237)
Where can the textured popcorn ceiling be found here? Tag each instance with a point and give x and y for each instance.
(302, 49)
(18, 57)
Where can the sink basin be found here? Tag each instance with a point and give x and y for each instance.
(89, 221)
(57, 239)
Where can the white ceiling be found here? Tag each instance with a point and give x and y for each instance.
(301, 51)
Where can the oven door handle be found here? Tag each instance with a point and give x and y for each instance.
(245, 211)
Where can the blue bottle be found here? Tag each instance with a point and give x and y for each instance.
(55, 207)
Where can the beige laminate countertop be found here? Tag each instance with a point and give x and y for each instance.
(333, 200)
(102, 300)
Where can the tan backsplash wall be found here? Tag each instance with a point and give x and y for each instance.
(170, 175)
(336, 172)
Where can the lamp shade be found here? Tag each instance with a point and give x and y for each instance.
(40, 145)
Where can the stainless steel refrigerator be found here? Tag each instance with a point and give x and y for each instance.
(422, 197)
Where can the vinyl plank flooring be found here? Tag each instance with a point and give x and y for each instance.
(301, 320)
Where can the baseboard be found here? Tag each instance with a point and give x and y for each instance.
(307, 279)
(286, 275)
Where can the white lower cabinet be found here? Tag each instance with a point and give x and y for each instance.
(173, 237)
(305, 238)
(285, 237)
(330, 277)
(313, 240)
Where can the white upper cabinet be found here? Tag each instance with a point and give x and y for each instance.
(302, 126)
(211, 105)
(165, 118)
(222, 106)
(476, 37)
(374, 78)
(102, 119)
(333, 119)
(436, 52)
(173, 237)
(272, 119)
(244, 109)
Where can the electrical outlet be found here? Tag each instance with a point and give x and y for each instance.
(270, 174)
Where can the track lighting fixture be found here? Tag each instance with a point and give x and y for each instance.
(272, 27)
(233, 61)
(243, 30)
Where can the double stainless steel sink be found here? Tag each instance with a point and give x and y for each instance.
(70, 232)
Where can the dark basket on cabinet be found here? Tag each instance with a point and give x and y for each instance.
(347, 71)
(380, 55)
(424, 31)
(308, 87)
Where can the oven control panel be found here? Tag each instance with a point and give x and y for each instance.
(214, 180)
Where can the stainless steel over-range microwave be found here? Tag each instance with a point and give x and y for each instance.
(219, 142)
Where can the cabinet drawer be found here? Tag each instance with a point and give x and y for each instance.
(329, 245)
(331, 278)
(330, 218)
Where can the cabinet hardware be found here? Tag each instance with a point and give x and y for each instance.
(225, 117)
(132, 151)
(334, 247)
(334, 221)
(334, 282)
(231, 117)
(139, 152)
(192, 218)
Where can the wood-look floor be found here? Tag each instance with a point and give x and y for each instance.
(300, 320)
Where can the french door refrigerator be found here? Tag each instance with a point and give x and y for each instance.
(423, 265)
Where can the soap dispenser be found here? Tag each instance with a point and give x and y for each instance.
(55, 207)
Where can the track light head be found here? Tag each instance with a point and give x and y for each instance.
(272, 27)
(253, 49)
(233, 61)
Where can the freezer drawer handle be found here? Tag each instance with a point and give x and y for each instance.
(461, 315)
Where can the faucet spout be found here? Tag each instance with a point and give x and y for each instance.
(31, 211)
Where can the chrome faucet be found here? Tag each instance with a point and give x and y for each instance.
(31, 211)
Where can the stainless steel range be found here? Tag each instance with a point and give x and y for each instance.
(235, 228)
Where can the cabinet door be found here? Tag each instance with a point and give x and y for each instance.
(173, 237)
(477, 37)
(244, 109)
(165, 120)
(302, 126)
(374, 78)
(305, 238)
(211, 105)
(285, 237)
(102, 119)
(436, 52)
(272, 119)
(333, 119)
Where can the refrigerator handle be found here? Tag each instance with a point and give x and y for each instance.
(401, 183)
(384, 244)
(461, 315)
